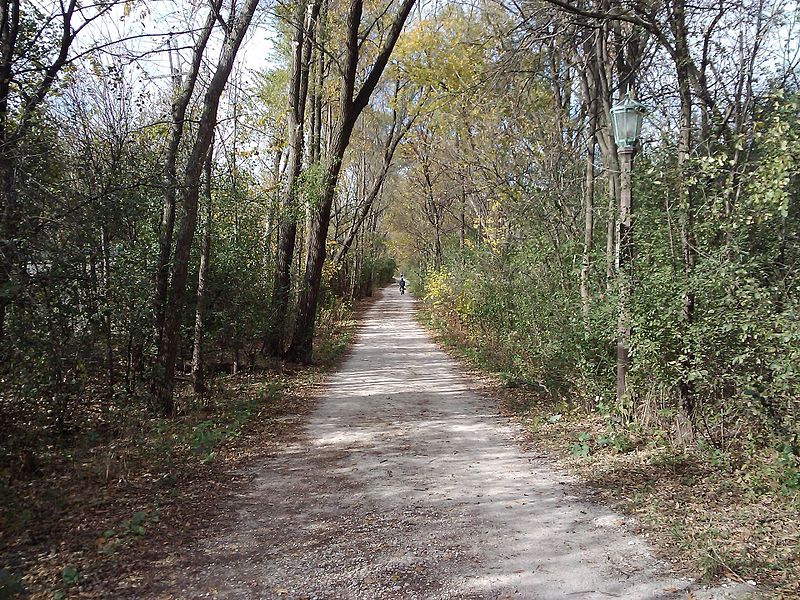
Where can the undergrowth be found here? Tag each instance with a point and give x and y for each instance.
(719, 514)
(76, 523)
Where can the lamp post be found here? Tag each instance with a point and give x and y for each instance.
(626, 121)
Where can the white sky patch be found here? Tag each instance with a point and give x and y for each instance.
(149, 36)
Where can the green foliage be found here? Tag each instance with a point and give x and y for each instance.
(10, 585)
(585, 444)
(205, 437)
(528, 332)
(582, 447)
(310, 187)
(70, 575)
(516, 305)
(136, 524)
(789, 464)
(239, 276)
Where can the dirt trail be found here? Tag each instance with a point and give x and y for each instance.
(406, 484)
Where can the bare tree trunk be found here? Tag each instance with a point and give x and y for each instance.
(164, 382)
(588, 227)
(315, 152)
(198, 375)
(462, 220)
(590, 87)
(9, 219)
(273, 200)
(302, 341)
(287, 233)
(608, 149)
(437, 244)
(319, 85)
(107, 324)
(685, 384)
(182, 96)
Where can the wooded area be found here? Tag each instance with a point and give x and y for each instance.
(170, 213)
(518, 225)
(132, 212)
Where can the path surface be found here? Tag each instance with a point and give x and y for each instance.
(406, 484)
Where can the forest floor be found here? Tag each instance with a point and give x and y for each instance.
(111, 498)
(398, 479)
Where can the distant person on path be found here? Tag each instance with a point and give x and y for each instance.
(402, 284)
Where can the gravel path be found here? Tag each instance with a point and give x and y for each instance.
(406, 484)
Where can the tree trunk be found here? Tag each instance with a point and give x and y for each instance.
(164, 382)
(287, 233)
(302, 342)
(27, 93)
(590, 87)
(319, 86)
(105, 244)
(198, 379)
(9, 219)
(350, 107)
(685, 192)
(180, 104)
(462, 221)
(608, 150)
(588, 227)
(8, 233)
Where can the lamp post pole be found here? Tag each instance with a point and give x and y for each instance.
(624, 268)
(626, 121)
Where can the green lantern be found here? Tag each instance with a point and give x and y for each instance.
(626, 119)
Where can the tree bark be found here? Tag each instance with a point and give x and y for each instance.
(287, 232)
(590, 87)
(608, 149)
(9, 27)
(166, 230)
(319, 85)
(108, 326)
(685, 193)
(198, 375)
(588, 226)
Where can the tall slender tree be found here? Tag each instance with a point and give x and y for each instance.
(351, 104)
(183, 91)
(164, 380)
(303, 23)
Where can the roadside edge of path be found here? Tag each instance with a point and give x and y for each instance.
(555, 453)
